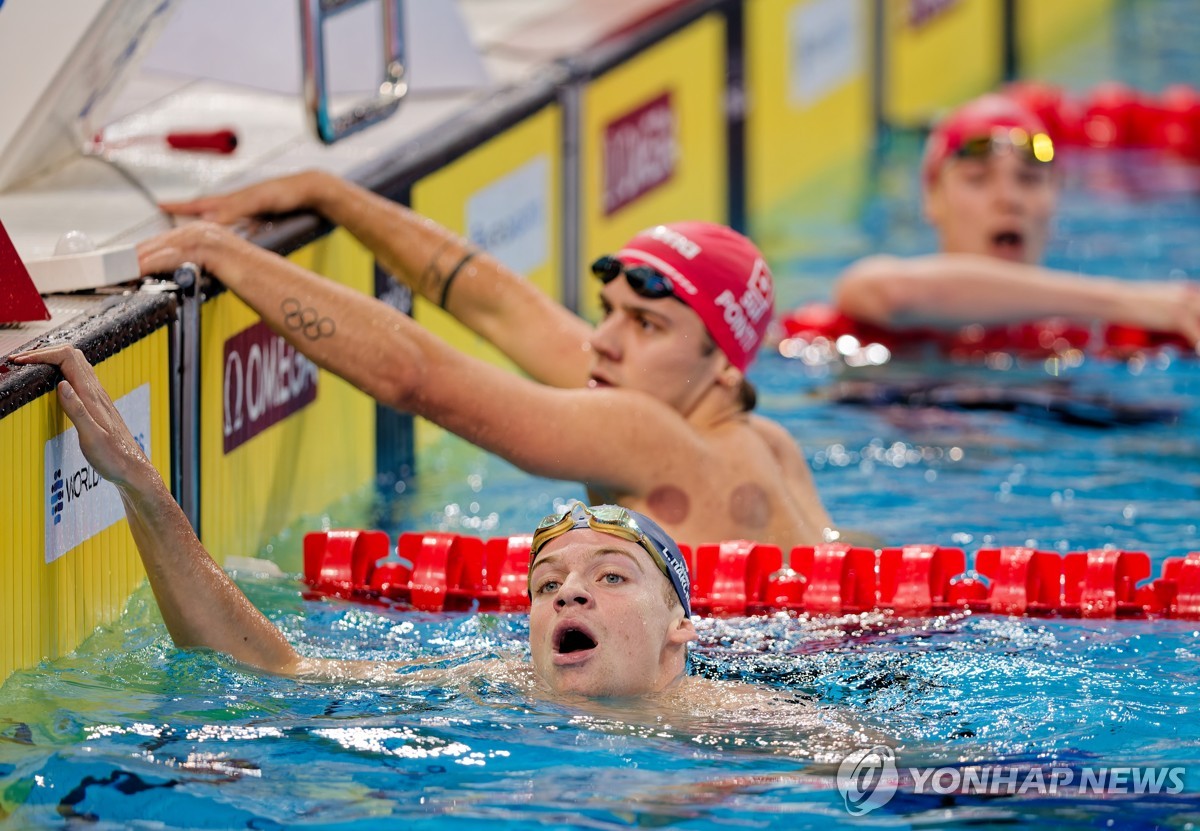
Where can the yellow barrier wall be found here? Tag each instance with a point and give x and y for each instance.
(46, 610)
(938, 54)
(653, 144)
(505, 196)
(304, 463)
(808, 119)
(1046, 32)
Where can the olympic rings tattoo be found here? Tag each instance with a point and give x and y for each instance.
(307, 320)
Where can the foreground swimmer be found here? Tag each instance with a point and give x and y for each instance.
(651, 409)
(610, 594)
(990, 192)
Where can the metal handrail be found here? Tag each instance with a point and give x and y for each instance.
(393, 85)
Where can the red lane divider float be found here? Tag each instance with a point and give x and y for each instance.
(821, 325)
(436, 572)
(1113, 115)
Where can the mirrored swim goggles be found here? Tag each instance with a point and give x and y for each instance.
(646, 281)
(627, 525)
(1035, 147)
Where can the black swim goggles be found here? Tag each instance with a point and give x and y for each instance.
(1031, 147)
(646, 281)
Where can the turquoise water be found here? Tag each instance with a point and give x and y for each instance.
(129, 732)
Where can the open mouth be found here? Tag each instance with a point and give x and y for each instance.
(574, 640)
(1008, 241)
(596, 382)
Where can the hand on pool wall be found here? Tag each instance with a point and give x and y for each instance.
(104, 437)
(286, 194)
(201, 606)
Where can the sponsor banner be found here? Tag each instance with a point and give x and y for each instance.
(924, 38)
(640, 151)
(264, 381)
(653, 144)
(826, 50)
(922, 12)
(509, 218)
(80, 504)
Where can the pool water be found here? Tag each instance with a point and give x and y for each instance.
(130, 732)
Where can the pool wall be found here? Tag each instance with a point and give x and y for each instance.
(599, 120)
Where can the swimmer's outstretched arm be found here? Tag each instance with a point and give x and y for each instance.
(200, 604)
(543, 430)
(950, 290)
(539, 334)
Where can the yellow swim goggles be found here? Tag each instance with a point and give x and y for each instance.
(623, 523)
(1035, 147)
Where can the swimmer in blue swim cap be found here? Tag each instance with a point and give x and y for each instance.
(610, 612)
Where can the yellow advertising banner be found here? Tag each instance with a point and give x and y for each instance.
(1047, 32)
(653, 145)
(67, 559)
(505, 197)
(808, 116)
(938, 53)
(280, 440)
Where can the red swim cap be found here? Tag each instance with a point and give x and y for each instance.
(719, 274)
(976, 118)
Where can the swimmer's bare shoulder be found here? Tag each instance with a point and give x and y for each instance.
(780, 442)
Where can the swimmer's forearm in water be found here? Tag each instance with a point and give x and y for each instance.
(201, 606)
(951, 290)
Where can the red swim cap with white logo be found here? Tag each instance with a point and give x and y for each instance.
(719, 274)
(975, 119)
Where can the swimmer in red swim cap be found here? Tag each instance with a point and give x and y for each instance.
(650, 408)
(990, 189)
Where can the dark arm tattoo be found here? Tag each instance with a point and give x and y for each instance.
(433, 283)
(466, 258)
(307, 321)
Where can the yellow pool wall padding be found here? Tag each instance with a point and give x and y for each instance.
(690, 65)
(46, 610)
(444, 196)
(301, 465)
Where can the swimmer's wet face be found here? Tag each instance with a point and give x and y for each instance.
(989, 182)
(605, 621)
(726, 298)
(624, 524)
(653, 346)
(998, 205)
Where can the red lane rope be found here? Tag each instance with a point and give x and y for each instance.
(437, 572)
(821, 324)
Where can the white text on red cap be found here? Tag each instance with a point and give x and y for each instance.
(676, 241)
(741, 314)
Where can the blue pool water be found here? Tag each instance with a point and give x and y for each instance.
(129, 732)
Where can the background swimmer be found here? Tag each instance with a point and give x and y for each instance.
(989, 189)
